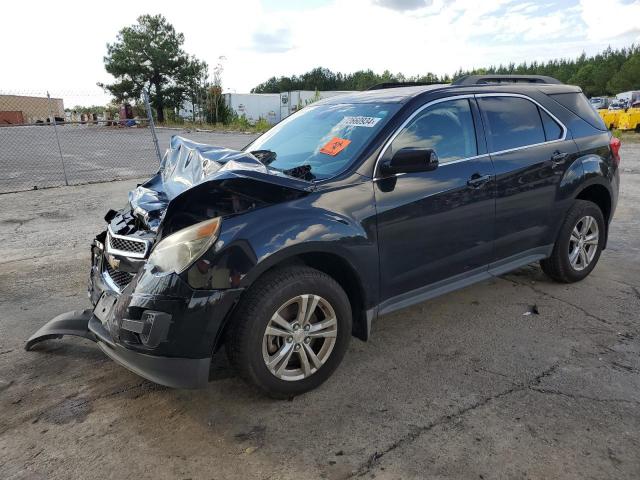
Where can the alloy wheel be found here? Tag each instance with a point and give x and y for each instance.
(583, 243)
(299, 337)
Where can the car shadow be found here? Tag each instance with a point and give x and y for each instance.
(220, 368)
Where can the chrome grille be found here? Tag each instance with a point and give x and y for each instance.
(120, 278)
(137, 248)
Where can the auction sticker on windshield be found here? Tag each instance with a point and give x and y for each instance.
(360, 121)
(335, 146)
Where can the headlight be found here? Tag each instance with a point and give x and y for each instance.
(179, 250)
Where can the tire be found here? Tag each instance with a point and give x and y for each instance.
(559, 265)
(288, 290)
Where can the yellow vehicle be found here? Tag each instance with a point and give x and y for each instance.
(610, 117)
(629, 120)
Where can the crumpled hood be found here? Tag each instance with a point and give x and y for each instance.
(187, 164)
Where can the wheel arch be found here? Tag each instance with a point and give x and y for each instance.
(331, 263)
(600, 195)
(347, 277)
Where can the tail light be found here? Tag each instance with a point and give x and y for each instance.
(615, 143)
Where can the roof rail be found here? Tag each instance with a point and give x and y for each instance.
(382, 86)
(497, 79)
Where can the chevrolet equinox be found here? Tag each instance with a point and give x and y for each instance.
(352, 208)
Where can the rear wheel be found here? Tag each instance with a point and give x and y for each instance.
(290, 331)
(579, 244)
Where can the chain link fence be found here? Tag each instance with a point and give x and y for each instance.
(46, 140)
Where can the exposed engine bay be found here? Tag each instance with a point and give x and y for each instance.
(195, 182)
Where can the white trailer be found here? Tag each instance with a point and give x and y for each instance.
(293, 101)
(254, 106)
(273, 107)
(629, 97)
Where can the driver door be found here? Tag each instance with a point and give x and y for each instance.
(436, 228)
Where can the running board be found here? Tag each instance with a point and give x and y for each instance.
(74, 323)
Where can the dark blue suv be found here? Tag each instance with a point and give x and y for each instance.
(354, 207)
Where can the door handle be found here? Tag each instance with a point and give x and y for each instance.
(558, 158)
(476, 180)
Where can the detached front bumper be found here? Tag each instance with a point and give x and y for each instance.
(157, 326)
(169, 371)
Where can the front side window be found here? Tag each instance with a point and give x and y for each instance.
(511, 122)
(446, 127)
(320, 141)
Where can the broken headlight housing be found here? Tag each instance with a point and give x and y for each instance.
(179, 250)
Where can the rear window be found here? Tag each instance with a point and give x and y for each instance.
(511, 122)
(578, 104)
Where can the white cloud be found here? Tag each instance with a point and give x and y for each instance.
(613, 18)
(277, 41)
(59, 46)
(403, 5)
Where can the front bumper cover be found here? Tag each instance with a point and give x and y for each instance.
(172, 372)
(169, 371)
(174, 349)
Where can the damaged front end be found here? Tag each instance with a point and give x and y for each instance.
(162, 317)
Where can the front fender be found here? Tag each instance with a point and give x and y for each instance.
(251, 243)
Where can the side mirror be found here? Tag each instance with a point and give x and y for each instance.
(411, 160)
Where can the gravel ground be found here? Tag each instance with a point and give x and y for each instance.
(30, 156)
(463, 386)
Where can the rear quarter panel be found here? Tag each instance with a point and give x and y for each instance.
(593, 166)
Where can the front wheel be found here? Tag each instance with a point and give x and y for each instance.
(579, 244)
(290, 331)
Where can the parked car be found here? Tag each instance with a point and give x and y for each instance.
(599, 102)
(352, 208)
(618, 105)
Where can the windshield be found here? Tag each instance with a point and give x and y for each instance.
(320, 141)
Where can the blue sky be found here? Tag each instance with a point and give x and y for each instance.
(258, 39)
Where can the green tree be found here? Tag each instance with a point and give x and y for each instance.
(585, 78)
(149, 55)
(606, 73)
(628, 78)
(191, 84)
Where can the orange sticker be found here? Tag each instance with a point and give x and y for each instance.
(335, 146)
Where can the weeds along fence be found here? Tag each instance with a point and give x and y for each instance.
(46, 142)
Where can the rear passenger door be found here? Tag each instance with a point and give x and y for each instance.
(530, 153)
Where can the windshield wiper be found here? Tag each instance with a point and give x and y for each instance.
(265, 157)
(301, 171)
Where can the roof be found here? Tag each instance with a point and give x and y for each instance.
(386, 95)
(404, 94)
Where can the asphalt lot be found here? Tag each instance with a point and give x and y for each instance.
(30, 156)
(463, 386)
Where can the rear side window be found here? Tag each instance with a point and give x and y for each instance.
(578, 104)
(446, 127)
(552, 130)
(511, 122)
